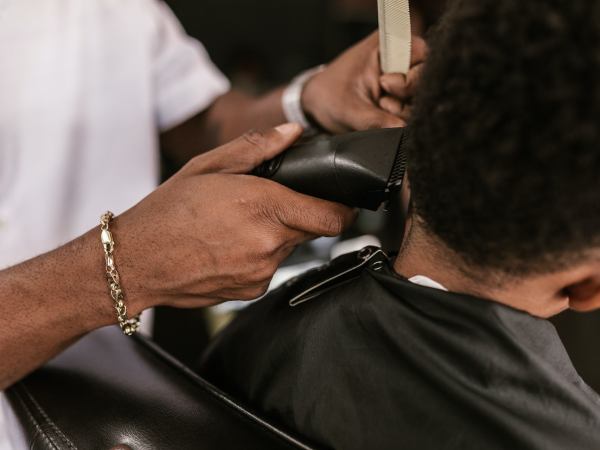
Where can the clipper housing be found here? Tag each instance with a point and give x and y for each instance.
(358, 169)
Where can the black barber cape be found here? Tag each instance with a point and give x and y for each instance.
(377, 362)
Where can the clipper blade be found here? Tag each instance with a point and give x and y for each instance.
(394, 35)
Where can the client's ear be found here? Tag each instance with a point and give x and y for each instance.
(584, 295)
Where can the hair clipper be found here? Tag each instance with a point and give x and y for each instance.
(360, 169)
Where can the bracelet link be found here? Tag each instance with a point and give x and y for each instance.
(128, 325)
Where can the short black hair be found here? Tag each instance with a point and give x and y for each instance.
(505, 156)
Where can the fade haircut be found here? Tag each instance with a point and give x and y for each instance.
(505, 156)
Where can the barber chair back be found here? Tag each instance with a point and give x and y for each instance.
(110, 391)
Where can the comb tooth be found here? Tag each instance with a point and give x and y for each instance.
(394, 35)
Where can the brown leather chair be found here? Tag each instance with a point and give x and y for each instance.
(109, 390)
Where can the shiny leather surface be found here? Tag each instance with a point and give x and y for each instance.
(110, 390)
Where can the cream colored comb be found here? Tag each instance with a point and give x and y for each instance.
(394, 35)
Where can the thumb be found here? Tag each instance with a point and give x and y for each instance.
(248, 151)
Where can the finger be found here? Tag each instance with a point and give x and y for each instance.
(371, 75)
(418, 51)
(406, 113)
(391, 105)
(312, 216)
(394, 84)
(369, 116)
(396, 107)
(248, 151)
(413, 79)
(401, 86)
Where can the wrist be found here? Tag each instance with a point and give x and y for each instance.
(84, 281)
(297, 102)
(126, 259)
(308, 100)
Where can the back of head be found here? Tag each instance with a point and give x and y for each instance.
(505, 162)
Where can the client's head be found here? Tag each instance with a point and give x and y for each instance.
(505, 160)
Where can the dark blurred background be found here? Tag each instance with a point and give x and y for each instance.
(262, 44)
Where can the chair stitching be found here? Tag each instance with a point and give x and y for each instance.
(38, 428)
(65, 439)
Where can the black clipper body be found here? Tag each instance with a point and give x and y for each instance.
(358, 169)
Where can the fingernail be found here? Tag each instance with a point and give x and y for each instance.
(288, 128)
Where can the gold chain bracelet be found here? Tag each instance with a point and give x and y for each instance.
(128, 326)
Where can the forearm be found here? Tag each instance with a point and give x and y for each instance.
(236, 112)
(49, 302)
(349, 94)
(229, 116)
(207, 235)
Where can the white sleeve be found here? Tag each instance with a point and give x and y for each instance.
(186, 80)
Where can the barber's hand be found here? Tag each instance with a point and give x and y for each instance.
(352, 94)
(211, 234)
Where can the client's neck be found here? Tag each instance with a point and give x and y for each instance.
(421, 254)
(424, 254)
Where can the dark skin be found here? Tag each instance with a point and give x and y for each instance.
(350, 94)
(543, 295)
(173, 248)
(210, 233)
(228, 117)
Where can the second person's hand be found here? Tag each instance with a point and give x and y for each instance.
(353, 94)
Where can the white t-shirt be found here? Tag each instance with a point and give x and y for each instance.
(85, 85)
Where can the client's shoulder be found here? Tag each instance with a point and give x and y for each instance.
(310, 297)
(325, 281)
(310, 311)
(348, 350)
